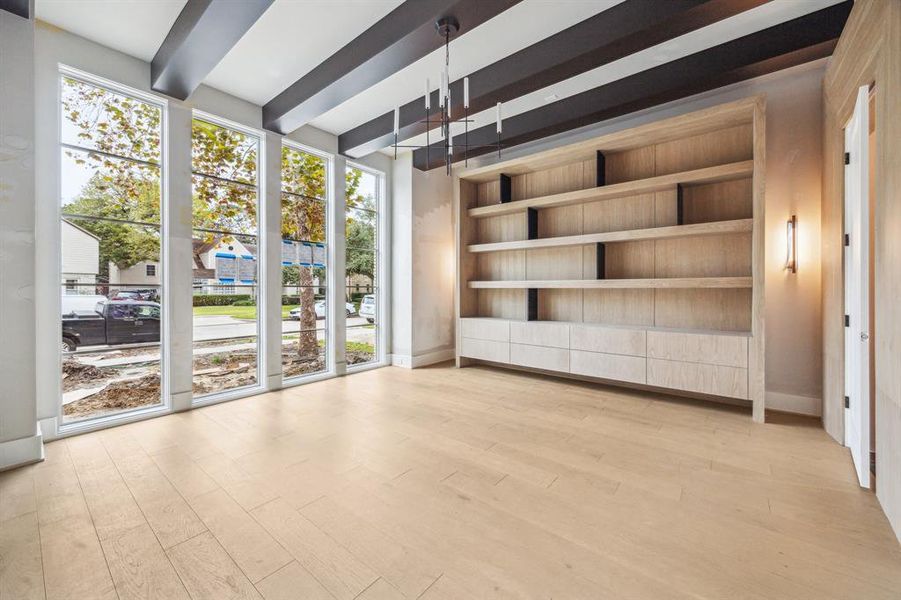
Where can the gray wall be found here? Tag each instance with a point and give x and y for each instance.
(19, 441)
(423, 265)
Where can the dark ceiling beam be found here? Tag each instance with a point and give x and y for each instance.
(17, 7)
(400, 38)
(623, 29)
(201, 36)
(791, 43)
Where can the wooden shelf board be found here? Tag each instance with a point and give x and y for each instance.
(725, 172)
(665, 283)
(652, 233)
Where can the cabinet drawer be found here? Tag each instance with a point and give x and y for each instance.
(554, 335)
(609, 340)
(724, 350)
(485, 329)
(717, 380)
(540, 357)
(485, 350)
(607, 366)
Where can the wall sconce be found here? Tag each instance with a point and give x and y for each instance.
(791, 244)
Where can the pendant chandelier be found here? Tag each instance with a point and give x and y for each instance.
(445, 121)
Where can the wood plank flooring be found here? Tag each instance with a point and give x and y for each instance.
(447, 483)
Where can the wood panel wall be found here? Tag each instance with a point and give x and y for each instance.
(868, 52)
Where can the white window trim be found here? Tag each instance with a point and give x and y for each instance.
(383, 326)
(64, 429)
(330, 232)
(262, 293)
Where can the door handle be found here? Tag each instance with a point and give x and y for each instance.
(864, 335)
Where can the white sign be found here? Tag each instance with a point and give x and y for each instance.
(319, 255)
(247, 269)
(226, 267)
(289, 253)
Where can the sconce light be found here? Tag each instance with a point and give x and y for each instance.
(791, 244)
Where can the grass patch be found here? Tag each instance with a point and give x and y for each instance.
(237, 312)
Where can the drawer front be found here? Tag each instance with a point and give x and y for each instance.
(616, 367)
(497, 330)
(724, 350)
(486, 350)
(717, 380)
(540, 357)
(609, 340)
(553, 335)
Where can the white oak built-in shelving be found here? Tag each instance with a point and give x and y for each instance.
(649, 185)
(622, 284)
(634, 258)
(630, 235)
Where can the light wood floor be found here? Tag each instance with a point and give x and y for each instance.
(445, 483)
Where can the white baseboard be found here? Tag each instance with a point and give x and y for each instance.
(791, 403)
(22, 451)
(421, 360)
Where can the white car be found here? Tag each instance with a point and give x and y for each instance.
(319, 307)
(367, 307)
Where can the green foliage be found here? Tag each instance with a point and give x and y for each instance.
(99, 119)
(230, 155)
(243, 302)
(219, 299)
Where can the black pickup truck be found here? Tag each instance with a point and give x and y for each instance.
(112, 323)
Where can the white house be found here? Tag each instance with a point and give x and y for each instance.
(80, 259)
(146, 272)
(224, 267)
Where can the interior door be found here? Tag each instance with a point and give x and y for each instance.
(856, 263)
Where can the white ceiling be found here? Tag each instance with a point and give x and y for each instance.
(291, 38)
(135, 27)
(294, 36)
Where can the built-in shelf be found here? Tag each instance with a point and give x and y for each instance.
(664, 283)
(717, 173)
(652, 233)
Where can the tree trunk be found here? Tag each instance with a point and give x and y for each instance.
(307, 347)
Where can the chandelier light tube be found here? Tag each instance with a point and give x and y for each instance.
(446, 27)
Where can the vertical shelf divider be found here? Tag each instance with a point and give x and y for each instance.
(506, 188)
(680, 205)
(532, 294)
(601, 251)
(601, 170)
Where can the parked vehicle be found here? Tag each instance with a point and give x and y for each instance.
(150, 294)
(319, 307)
(367, 308)
(112, 323)
(80, 302)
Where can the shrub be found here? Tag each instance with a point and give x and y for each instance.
(248, 302)
(221, 299)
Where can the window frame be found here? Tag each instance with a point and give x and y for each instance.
(261, 367)
(382, 270)
(330, 273)
(165, 405)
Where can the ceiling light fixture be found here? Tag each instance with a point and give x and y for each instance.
(447, 26)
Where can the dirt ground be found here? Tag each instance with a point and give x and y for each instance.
(212, 373)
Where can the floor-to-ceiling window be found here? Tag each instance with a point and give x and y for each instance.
(110, 250)
(304, 226)
(363, 265)
(225, 257)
